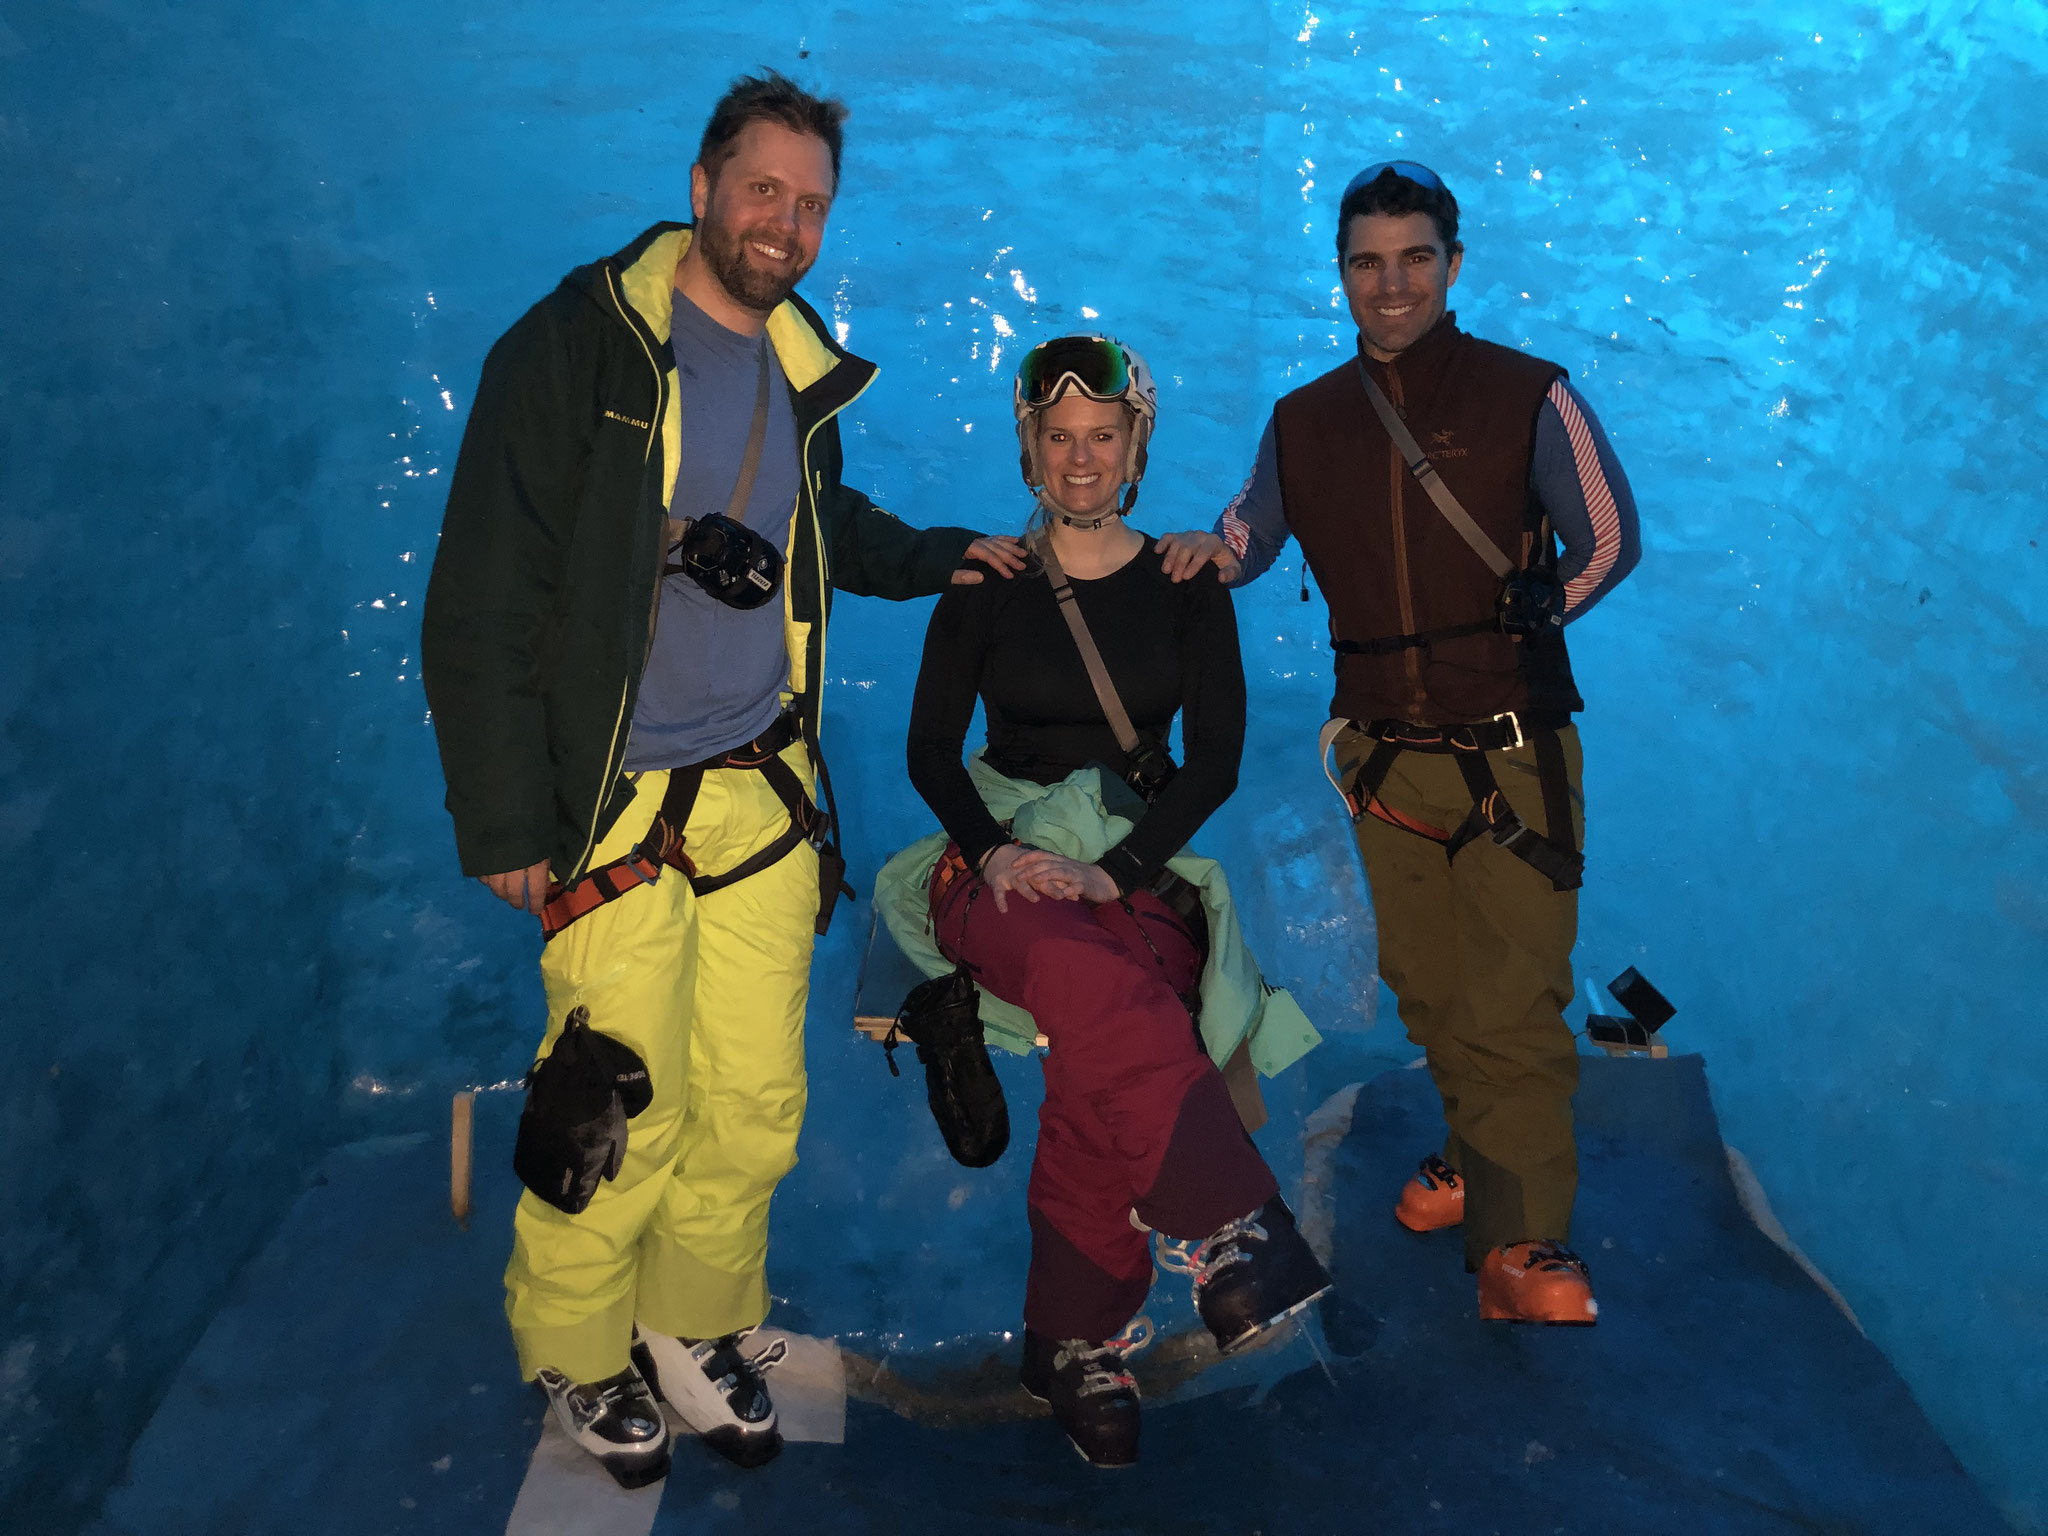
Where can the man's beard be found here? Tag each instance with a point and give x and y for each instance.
(725, 253)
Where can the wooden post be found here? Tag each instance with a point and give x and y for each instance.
(459, 1157)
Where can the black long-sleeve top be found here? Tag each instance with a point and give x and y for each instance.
(1169, 647)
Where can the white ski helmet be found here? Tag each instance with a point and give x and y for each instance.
(1100, 367)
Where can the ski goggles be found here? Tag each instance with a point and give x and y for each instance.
(1097, 366)
(1407, 170)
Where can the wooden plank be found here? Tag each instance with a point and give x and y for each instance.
(886, 977)
(459, 1156)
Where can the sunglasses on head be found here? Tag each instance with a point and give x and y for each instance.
(1407, 170)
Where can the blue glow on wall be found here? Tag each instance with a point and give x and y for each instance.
(253, 255)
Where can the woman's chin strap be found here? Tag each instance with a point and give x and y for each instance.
(1056, 513)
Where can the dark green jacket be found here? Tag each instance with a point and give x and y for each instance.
(540, 611)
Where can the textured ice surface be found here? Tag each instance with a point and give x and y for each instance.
(253, 255)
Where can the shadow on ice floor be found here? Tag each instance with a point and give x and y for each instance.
(360, 1380)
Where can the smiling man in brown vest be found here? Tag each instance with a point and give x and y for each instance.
(1431, 480)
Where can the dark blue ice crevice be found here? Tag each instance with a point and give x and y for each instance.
(253, 261)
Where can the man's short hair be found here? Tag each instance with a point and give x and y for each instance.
(770, 97)
(1391, 192)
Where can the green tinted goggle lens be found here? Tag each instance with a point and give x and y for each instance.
(1096, 366)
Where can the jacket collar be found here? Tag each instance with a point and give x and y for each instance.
(1427, 353)
(825, 376)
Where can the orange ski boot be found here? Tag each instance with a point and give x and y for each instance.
(1433, 1199)
(1536, 1282)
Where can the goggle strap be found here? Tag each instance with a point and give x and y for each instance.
(1074, 358)
(1059, 388)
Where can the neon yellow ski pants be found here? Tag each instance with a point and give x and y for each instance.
(710, 991)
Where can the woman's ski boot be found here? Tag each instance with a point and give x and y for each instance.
(1092, 1395)
(1250, 1275)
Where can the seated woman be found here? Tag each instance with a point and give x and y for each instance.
(1138, 1125)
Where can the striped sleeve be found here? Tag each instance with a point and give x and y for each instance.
(1253, 525)
(1580, 484)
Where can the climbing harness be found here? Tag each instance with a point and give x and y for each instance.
(664, 842)
(1530, 604)
(1554, 856)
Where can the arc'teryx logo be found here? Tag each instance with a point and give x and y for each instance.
(1440, 446)
(628, 420)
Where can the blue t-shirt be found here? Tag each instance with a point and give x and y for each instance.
(715, 676)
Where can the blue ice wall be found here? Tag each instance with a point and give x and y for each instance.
(253, 254)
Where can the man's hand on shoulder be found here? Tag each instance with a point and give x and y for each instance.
(526, 889)
(1186, 553)
(998, 551)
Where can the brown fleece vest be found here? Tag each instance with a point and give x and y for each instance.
(1386, 559)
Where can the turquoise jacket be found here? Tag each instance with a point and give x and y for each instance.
(1070, 818)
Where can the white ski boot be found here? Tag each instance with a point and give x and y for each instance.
(616, 1420)
(717, 1389)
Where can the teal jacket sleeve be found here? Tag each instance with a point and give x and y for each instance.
(511, 513)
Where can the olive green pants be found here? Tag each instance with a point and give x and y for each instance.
(1478, 954)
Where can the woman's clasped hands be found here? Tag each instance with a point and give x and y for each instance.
(1034, 873)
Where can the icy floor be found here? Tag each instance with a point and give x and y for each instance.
(253, 256)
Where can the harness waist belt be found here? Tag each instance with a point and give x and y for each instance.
(1502, 733)
(663, 844)
(1556, 856)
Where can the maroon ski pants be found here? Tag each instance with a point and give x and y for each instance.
(1136, 1117)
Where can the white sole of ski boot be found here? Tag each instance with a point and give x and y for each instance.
(1250, 1335)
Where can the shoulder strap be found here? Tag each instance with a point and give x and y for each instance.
(1426, 475)
(757, 436)
(1091, 658)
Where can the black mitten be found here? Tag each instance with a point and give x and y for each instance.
(942, 1019)
(579, 1097)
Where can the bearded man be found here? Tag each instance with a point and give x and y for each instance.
(623, 647)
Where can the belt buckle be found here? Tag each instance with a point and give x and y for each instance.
(1514, 724)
